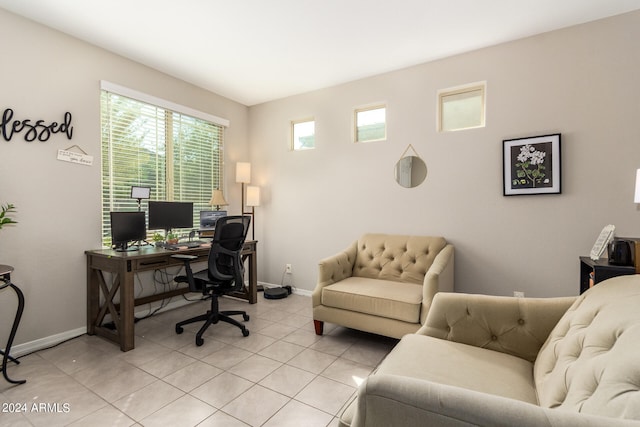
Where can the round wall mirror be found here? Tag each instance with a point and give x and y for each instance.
(410, 171)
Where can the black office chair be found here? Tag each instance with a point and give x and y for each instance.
(225, 273)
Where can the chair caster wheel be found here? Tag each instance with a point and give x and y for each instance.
(199, 341)
(179, 330)
(245, 317)
(245, 332)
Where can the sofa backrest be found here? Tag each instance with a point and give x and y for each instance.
(396, 257)
(590, 362)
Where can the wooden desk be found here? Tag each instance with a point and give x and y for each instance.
(123, 266)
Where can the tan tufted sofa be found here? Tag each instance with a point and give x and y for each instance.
(383, 283)
(500, 361)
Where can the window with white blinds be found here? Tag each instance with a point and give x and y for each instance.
(180, 157)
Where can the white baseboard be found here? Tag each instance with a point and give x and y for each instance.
(52, 340)
(46, 342)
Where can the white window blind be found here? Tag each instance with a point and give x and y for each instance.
(180, 157)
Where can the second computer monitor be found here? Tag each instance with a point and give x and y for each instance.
(170, 215)
(127, 227)
(208, 219)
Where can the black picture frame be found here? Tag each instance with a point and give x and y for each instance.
(532, 165)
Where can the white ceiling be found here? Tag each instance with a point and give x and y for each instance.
(254, 51)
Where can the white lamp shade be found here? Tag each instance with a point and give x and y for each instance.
(243, 172)
(636, 199)
(253, 195)
(217, 199)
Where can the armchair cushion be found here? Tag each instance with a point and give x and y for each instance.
(383, 298)
(461, 365)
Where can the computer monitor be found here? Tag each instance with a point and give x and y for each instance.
(169, 215)
(127, 227)
(208, 219)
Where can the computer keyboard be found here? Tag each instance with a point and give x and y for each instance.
(195, 243)
(190, 245)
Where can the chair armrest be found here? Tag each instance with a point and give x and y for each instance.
(334, 269)
(386, 400)
(516, 326)
(439, 278)
(187, 268)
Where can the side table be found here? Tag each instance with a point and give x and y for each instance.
(593, 272)
(5, 282)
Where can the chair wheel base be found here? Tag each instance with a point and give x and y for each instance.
(245, 332)
(245, 317)
(179, 330)
(199, 341)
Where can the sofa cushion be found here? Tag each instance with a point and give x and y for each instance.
(590, 361)
(461, 365)
(384, 298)
(396, 257)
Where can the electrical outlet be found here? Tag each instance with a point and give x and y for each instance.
(287, 269)
(518, 294)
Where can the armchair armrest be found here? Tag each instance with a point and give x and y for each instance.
(516, 326)
(439, 278)
(333, 269)
(391, 400)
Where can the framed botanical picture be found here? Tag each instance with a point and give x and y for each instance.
(531, 165)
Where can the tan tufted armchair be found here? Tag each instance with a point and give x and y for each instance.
(383, 283)
(500, 361)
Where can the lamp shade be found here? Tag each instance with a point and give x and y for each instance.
(636, 199)
(253, 195)
(217, 199)
(243, 172)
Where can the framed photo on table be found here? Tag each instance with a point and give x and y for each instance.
(531, 165)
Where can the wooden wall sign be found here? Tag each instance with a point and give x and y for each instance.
(33, 130)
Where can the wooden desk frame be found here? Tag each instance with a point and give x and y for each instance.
(123, 266)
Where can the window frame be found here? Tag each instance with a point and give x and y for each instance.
(364, 109)
(171, 120)
(460, 90)
(292, 144)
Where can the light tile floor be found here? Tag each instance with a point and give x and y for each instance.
(282, 374)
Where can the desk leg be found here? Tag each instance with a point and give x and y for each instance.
(93, 297)
(127, 310)
(12, 335)
(253, 279)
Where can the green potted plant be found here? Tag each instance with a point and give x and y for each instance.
(4, 219)
(172, 238)
(157, 238)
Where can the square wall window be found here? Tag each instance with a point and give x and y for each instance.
(461, 108)
(303, 134)
(371, 124)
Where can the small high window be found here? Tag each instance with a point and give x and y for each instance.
(303, 134)
(461, 108)
(371, 124)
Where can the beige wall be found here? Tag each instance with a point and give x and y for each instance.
(44, 74)
(582, 82)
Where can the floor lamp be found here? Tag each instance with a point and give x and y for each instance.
(253, 200)
(243, 176)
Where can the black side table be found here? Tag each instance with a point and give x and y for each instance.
(5, 282)
(600, 270)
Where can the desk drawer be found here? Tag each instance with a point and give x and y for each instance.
(152, 263)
